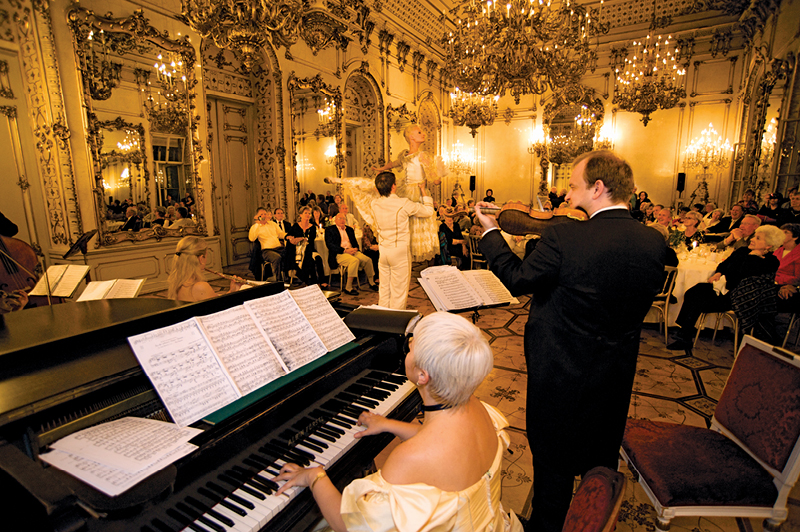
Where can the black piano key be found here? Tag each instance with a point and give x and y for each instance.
(369, 403)
(198, 516)
(366, 391)
(185, 521)
(330, 430)
(255, 463)
(248, 479)
(341, 422)
(210, 495)
(388, 377)
(163, 527)
(247, 489)
(324, 435)
(294, 450)
(210, 511)
(375, 383)
(286, 454)
(227, 494)
(308, 445)
(316, 442)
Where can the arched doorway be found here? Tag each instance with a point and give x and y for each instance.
(363, 111)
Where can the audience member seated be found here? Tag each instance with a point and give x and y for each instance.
(446, 473)
(741, 236)
(672, 257)
(186, 280)
(727, 223)
(788, 276)
(748, 202)
(171, 216)
(456, 245)
(182, 219)
(318, 218)
(333, 208)
(280, 220)
(711, 219)
(304, 233)
(664, 217)
(160, 218)
(322, 204)
(647, 214)
(771, 211)
(754, 260)
(188, 202)
(688, 234)
(370, 246)
(791, 215)
(132, 222)
(269, 237)
(489, 196)
(343, 250)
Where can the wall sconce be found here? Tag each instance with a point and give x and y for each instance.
(330, 153)
(603, 138)
(539, 147)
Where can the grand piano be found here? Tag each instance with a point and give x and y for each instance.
(67, 367)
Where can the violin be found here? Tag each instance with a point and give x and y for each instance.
(516, 218)
(17, 264)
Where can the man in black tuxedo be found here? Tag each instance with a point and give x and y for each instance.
(592, 283)
(343, 249)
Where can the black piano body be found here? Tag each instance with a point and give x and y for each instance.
(63, 369)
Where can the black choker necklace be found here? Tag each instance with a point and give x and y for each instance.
(434, 408)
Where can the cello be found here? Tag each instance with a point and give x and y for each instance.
(17, 265)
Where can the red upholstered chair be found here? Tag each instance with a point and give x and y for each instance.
(746, 464)
(596, 503)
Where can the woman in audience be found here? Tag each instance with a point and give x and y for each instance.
(789, 256)
(711, 219)
(641, 199)
(304, 233)
(186, 281)
(690, 235)
(446, 472)
(317, 217)
(753, 260)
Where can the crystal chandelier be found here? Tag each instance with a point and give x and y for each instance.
(472, 110)
(522, 46)
(651, 79)
(244, 26)
(603, 139)
(165, 99)
(705, 152)
(327, 122)
(130, 142)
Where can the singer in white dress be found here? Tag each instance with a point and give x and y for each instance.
(418, 166)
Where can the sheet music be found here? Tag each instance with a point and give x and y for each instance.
(95, 290)
(319, 312)
(110, 480)
(249, 357)
(184, 371)
(52, 277)
(491, 290)
(129, 443)
(290, 332)
(451, 289)
(125, 288)
(68, 282)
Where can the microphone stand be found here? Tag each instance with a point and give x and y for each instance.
(33, 275)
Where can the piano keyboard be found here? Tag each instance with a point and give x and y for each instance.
(242, 496)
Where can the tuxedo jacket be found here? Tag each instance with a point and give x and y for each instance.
(333, 240)
(591, 285)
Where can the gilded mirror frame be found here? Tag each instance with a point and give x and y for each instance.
(318, 87)
(122, 36)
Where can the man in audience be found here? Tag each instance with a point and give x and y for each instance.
(269, 237)
(741, 236)
(728, 223)
(394, 240)
(160, 218)
(132, 222)
(350, 220)
(343, 250)
(748, 201)
(792, 214)
(592, 284)
(182, 218)
(664, 217)
(282, 224)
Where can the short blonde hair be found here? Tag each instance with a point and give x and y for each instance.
(773, 236)
(455, 354)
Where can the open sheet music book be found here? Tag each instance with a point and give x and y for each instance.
(113, 289)
(201, 365)
(63, 280)
(451, 289)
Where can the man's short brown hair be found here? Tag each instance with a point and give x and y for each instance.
(612, 170)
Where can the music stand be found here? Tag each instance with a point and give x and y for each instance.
(82, 245)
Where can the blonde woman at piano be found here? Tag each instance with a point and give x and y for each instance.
(186, 280)
(445, 475)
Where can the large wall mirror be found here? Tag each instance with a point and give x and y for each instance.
(139, 91)
(572, 127)
(316, 132)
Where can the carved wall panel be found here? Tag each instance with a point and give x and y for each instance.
(362, 105)
(430, 120)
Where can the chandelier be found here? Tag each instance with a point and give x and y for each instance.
(522, 46)
(166, 97)
(130, 142)
(327, 120)
(768, 142)
(651, 80)
(459, 162)
(603, 139)
(705, 152)
(245, 26)
(472, 110)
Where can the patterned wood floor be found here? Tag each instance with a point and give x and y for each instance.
(669, 386)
